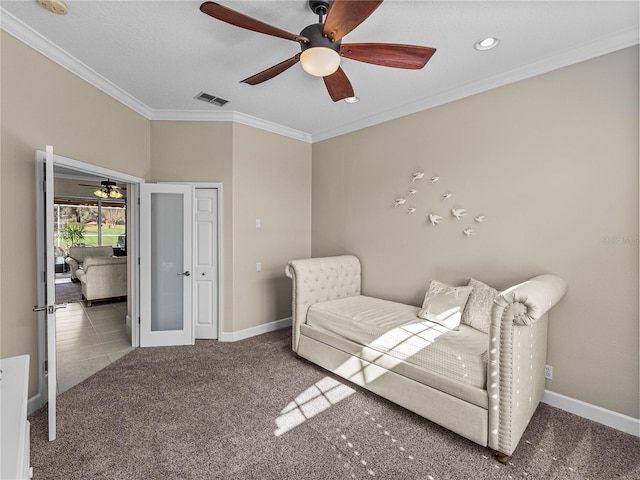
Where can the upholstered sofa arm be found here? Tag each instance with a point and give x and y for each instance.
(525, 303)
(319, 280)
(517, 357)
(73, 264)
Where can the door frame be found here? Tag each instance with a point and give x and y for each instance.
(218, 186)
(134, 275)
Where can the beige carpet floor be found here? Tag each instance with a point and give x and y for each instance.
(253, 410)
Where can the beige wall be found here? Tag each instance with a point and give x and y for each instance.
(271, 182)
(83, 123)
(200, 152)
(552, 162)
(41, 104)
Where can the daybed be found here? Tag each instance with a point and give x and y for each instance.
(103, 278)
(483, 385)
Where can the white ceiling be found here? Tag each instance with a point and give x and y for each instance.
(155, 56)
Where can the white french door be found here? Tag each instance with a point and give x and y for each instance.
(47, 306)
(166, 281)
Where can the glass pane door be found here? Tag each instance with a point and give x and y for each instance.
(167, 264)
(166, 284)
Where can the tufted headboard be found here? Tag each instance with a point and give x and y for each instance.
(319, 280)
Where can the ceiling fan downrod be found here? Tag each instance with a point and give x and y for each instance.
(320, 8)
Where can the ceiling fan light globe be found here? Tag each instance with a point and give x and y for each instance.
(115, 194)
(101, 193)
(320, 61)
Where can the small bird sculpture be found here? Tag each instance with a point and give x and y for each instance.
(480, 218)
(468, 232)
(417, 176)
(399, 201)
(434, 179)
(411, 210)
(412, 192)
(446, 196)
(434, 219)
(459, 212)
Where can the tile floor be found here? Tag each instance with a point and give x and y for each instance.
(89, 339)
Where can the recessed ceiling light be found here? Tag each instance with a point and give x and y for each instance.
(352, 99)
(486, 43)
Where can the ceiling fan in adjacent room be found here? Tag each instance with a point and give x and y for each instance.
(107, 189)
(321, 43)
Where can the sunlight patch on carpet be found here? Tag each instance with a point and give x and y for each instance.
(314, 400)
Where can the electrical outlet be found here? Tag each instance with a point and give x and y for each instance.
(548, 372)
(258, 266)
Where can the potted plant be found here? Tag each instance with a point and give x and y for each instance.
(73, 233)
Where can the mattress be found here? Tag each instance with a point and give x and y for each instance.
(396, 330)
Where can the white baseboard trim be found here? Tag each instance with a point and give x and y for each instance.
(34, 404)
(593, 412)
(253, 331)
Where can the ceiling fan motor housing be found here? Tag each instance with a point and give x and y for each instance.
(316, 39)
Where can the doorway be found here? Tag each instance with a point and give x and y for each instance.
(76, 317)
(90, 334)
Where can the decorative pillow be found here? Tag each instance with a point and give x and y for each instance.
(477, 313)
(444, 304)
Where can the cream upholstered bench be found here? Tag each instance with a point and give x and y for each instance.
(483, 385)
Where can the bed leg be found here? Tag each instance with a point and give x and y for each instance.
(503, 458)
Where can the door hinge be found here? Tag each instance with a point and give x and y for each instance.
(46, 365)
(44, 186)
(138, 320)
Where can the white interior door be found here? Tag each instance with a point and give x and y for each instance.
(47, 307)
(166, 280)
(205, 266)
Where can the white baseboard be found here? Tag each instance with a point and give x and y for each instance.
(593, 412)
(253, 331)
(34, 404)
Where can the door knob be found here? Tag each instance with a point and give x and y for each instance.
(48, 308)
(186, 274)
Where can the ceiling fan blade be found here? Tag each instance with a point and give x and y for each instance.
(388, 54)
(345, 15)
(243, 21)
(271, 72)
(338, 85)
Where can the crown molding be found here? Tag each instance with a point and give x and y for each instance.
(602, 46)
(26, 34)
(229, 116)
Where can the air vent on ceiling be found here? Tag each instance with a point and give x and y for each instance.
(207, 97)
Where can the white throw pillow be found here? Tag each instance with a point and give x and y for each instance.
(444, 304)
(477, 313)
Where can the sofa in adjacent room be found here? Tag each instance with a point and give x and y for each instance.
(103, 278)
(77, 255)
(472, 359)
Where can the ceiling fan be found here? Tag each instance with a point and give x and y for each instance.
(321, 43)
(107, 189)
